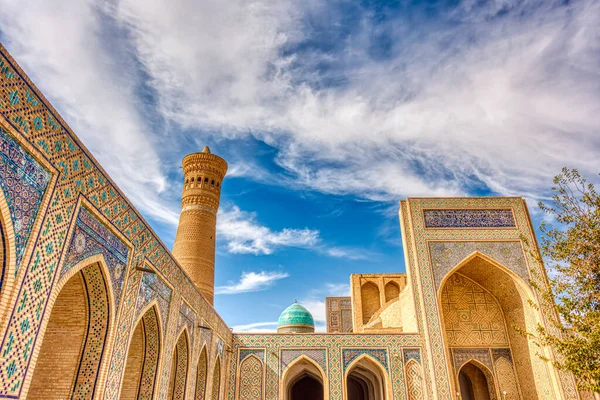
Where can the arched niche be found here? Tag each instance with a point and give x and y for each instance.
(179, 367)
(304, 377)
(392, 291)
(216, 379)
(141, 368)
(201, 373)
(366, 379)
(72, 358)
(370, 300)
(7, 259)
(476, 382)
(250, 378)
(492, 299)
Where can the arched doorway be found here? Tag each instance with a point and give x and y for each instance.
(303, 379)
(201, 375)
(71, 354)
(474, 384)
(306, 387)
(142, 358)
(480, 301)
(179, 368)
(365, 381)
(216, 382)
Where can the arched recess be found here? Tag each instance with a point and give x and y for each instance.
(370, 300)
(7, 258)
(202, 370)
(216, 379)
(366, 379)
(414, 381)
(480, 300)
(141, 369)
(71, 362)
(392, 291)
(179, 367)
(304, 378)
(476, 382)
(250, 383)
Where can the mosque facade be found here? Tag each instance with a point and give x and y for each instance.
(94, 306)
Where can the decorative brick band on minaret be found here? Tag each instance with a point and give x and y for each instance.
(194, 246)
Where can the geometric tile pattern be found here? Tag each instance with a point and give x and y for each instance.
(216, 383)
(507, 381)
(187, 317)
(251, 379)
(331, 347)
(472, 316)
(91, 237)
(24, 182)
(339, 314)
(151, 355)
(42, 132)
(380, 355)
(445, 255)
(153, 288)
(201, 375)
(414, 381)
(260, 353)
(317, 355)
(469, 218)
(412, 354)
(461, 356)
(180, 368)
(93, 347)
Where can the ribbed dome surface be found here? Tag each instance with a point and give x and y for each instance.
(296, 318)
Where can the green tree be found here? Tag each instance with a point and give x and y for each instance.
(571, 251)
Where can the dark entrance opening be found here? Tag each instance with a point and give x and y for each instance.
(306, 388)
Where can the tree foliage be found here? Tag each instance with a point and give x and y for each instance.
(571, 250)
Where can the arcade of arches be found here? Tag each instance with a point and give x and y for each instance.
(179, 368)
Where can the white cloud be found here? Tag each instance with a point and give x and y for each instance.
(91, 81)
(257, 327)
(244, 235)
(252, 282)
(490, 97)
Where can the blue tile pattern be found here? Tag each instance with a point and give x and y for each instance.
(295, 315)
(91, 237)
(469, 218)
(24, 182)
(260, 353)
(350, 355)
(152, 287)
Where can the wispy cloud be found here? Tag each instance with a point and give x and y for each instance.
(480, 96)
(257, 327)
(252, 282)
(244, 234)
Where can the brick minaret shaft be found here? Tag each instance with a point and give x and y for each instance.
(194, 246)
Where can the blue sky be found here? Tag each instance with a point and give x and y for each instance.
(328, 112)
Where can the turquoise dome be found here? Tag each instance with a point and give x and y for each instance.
(296, 318)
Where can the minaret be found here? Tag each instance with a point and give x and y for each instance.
(194, 246)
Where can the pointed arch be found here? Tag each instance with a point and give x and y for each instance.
(370, 300)
(414, 381)
(201, 373)
(366, 375)
(477, 383)
(216, 379)
(179, 367)
(303, 367)
(534, 377)
(250, 378)
(75, 336)
(392, 291)
(8, 259)
(141, 368)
